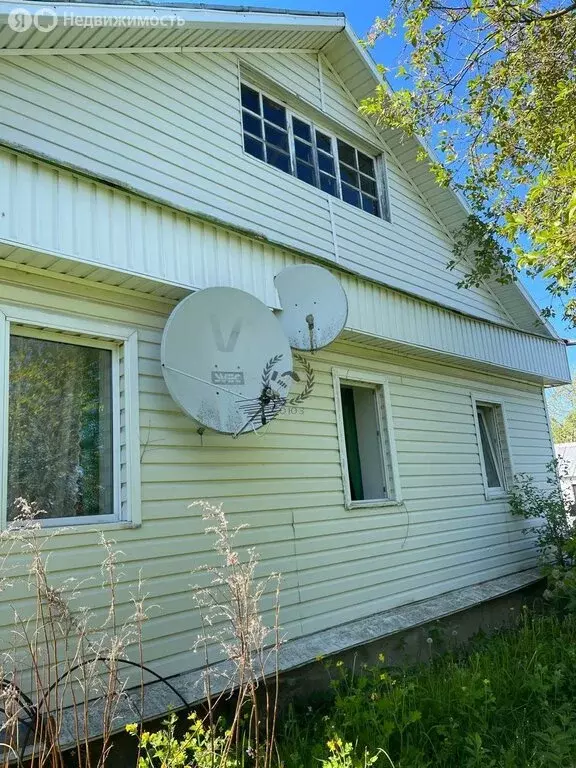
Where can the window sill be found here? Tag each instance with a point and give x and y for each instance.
(373, 503)
(496, 495)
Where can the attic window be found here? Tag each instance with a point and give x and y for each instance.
(296, 146)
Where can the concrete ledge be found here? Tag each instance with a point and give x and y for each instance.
(296, 653)
(158, 698)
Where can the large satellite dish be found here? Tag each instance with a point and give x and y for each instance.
(314, 306)
(226, 360)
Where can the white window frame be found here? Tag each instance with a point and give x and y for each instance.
(501, 492)
(37, 323)
(381, 387)
(380, 169)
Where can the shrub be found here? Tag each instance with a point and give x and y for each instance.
(201, 746)
(551, 515)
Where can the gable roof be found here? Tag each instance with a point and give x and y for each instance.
(226, 28)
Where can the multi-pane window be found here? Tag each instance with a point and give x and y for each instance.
(495, 454)
(69, 421)
(296, 146)
(366, 440)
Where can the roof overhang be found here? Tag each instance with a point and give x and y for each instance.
(85, 27)
(112, 27)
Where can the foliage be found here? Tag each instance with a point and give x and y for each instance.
(565, 431)
(551, 516)
(342, 756)
(562, 407)
(555, 531)
(508, 703)
(201, 746)
(232, 608)
(494, 85)
(204, 746)
(61, 665)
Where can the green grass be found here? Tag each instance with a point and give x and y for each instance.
(510, 702)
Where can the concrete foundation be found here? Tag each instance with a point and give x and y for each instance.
(414, 645)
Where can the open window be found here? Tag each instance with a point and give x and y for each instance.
(366, 439)
(494, 451)
(69, 418)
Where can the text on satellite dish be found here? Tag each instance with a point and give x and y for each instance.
(229, 345)
(229, 378)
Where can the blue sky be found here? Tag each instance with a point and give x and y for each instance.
(361, 14)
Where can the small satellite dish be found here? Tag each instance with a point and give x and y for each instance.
(314, 306)
(226, 360)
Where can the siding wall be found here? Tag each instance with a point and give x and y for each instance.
(285, 482)
(54, 219)
(169, 127)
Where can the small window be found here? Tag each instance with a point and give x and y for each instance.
(365, 442)
(71, 420)
(494, 448)
(295, 146)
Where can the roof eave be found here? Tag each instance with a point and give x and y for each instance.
(190, 13)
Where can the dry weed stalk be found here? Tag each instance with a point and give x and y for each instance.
(232, 618)
(61, 678)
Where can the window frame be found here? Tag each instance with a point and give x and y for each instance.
(381, 387)
(123, 343)
(505, 454)
(380, 170)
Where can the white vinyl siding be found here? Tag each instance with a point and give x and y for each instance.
(80, 227)
(286, 484)
(168, 126)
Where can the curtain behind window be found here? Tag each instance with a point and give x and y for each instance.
(60, 427)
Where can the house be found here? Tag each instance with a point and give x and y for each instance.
(566, 455)
(147, 152)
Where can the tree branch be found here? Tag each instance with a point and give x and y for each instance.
(549, 16)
